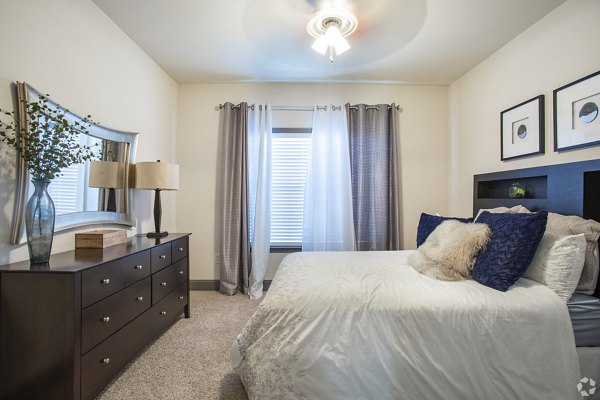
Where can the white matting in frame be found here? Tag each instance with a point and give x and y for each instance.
(522, 129)
(576, 120)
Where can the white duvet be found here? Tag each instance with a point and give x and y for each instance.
(365, 325)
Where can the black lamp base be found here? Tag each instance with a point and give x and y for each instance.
(157, 216)
(157, 234)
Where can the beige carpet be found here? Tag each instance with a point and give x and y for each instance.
(191, 359)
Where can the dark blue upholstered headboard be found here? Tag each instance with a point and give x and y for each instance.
(570, 189)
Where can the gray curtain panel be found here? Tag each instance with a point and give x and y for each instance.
(375, 168)
(234, 246)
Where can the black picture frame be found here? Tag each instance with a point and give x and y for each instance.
(576, 119)
(522, 129)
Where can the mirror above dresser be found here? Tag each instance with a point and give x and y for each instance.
(96, 192)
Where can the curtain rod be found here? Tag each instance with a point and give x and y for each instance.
(251, 106)
(284, 108)
(302, 108)
(355, 108)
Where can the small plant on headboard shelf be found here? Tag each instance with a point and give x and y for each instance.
(516, 191)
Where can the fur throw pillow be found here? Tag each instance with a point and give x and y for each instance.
(449, 252)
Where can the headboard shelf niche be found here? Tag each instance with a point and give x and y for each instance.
(536, 187)
(571, 189)
(591, 198)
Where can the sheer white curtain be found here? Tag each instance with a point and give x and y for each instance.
(328, 221)
(259, 194)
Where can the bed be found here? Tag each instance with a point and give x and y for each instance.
(364, 325)
(367, 325)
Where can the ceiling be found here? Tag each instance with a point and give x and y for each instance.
(400, 41)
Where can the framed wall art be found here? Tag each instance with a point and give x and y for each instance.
(576, 122)
(522, 129)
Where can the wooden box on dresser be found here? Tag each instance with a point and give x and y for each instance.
(68, 327)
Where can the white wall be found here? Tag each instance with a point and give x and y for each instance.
(73, 51)
(560, 48)
(423, 141)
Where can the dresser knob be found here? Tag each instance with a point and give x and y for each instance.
(180, 272)
(105, 360)
(163, 284)
(180, 249)
(105, 319)
(105, 281)
(140, 298)
(139, 267)
(163, 313)
(163, 256)
(180, 297)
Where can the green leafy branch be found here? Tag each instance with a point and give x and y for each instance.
(49, 142)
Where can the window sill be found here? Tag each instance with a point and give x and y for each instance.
(287, 249)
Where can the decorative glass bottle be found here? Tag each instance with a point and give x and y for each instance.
(39, 223)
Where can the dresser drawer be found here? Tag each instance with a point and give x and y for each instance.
(104, 280)
(169, 308)
(103, 362)
(179, 249)
(165, 281)
(161, 256)
(104, 318)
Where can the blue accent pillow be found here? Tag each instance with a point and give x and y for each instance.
(514, 240)
(428, 223)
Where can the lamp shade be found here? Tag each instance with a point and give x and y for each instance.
(106, 174)
(157, 175)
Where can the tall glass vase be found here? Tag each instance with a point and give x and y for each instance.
(39, 223)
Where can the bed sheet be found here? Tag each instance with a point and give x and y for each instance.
(365, 325)
(584, 311)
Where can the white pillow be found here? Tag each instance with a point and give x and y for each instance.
(558, 263)
(449, 252)
(574, 225)
(513, 210)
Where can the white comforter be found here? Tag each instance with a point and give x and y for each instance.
(365, 325)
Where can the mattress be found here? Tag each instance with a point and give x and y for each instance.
(584, 311)
(364, 325)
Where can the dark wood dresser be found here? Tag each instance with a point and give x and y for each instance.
(68, 327)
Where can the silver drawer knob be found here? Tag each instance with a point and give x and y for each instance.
(105, 319)
(163, 284)
(105, 281)
(180, 297)
(163, 256)
(180, 272)
(105, 360)
(163, 313)
(140, 298)
(180, 249)
(139, 267)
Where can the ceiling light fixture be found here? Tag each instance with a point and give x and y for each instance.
(330, 27)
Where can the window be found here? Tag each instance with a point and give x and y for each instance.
(69, 191)
(65, 190)
(290, 152)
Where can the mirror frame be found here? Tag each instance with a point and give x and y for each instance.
(78, 219)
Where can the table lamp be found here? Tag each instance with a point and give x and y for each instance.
(107, 175)
(157, 176)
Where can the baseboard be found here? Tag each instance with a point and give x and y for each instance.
(213, 284)
(197, 284)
